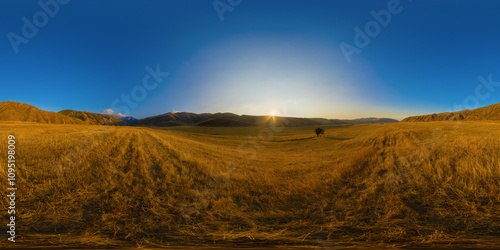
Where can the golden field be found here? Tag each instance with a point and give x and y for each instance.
(401, 184)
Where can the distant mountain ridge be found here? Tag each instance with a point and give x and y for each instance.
(127, 119)
(233, 120)
(491, 112)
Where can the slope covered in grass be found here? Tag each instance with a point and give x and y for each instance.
(491, 112)
(92, 118)
(14, 111)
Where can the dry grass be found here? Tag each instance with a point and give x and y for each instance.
(420, 184)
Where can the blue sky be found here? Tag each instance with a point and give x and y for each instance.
(264, 56)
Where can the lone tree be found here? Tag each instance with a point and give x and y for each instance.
(319, 131)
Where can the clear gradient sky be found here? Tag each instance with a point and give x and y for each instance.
(265, 56)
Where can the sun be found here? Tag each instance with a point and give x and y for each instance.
(272, 113)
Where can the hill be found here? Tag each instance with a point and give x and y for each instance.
(373, 120)
(491, 112)
(14, 111)
(223, 122)
(173, 119)
(93, 118)
(229, 120)
(128, 119)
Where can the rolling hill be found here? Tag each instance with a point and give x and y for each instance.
(127, 119)
(223, 122)
(372, 120)
(172, 119)
(14, 111)
(230, 120)
(491, 112)
(93, 118)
